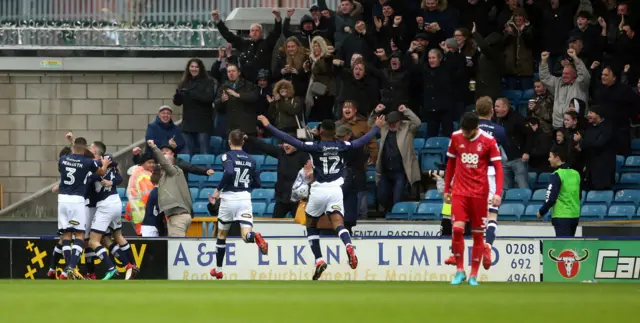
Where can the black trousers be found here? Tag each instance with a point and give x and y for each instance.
(437, 119)
(565, 227)
(281, 209)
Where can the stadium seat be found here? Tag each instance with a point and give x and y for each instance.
(593, 212)
(427, 211)
(259, 161)
(433, 195)
(518, 195)
(216, 144)
(619, 163)
(628, 197)
(312, 124)
(217, 163)
(214, 179)
(583, 195)
(631, 164)
(270, 164)
(542, 181)
(422, 131)
(371, 178)
(185, 157)
(269, 211)
(203, 195)
(629, 181)
(532, 178)
(511, 211)
(527, 95)
(268, 179)
(436, 145)
(262, 195)
(418, 144)
(514, 96)
(635, 146)
(196, 180)
(194, 194)
(402, 211)
(428, 161)
(259, 209)
(599, 197)
(530, 213)
(539, 195)
(620, 212)
(200, 209)
(266, 140)
(203, 160)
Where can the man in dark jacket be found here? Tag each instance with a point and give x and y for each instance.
(490, 65)
(599, 151)
(308, 29)
(519, 148)
(290, 161)
(163, 131)
(237, 98)
(540, 146)
(255, 52)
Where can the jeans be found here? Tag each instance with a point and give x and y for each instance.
(196, 141)
(390, 188)
(220, 126)
(363, 205)
(516, 170)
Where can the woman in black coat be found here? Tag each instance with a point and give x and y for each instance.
(195, 93)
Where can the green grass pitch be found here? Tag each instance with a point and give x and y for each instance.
(321, 301)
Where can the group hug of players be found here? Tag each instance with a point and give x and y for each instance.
(473, 156)
(89, 213)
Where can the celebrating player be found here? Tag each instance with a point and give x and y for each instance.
(240, 176)
(470, 152)
(325, 196)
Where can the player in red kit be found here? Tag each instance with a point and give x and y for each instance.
(470, 153)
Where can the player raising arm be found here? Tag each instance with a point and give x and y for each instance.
(470, 152)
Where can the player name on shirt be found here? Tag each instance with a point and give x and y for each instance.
(240, 174)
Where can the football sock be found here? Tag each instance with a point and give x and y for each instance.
(221, 248)
(491, 231)
(76, 252)
(55, 258)
(66, 251)
(344, 235)
(101, 253)
(89, 257)
(250, 237)
(118, 254)
(314, 240)
(477, 251)
(457, 246)
(126, 249)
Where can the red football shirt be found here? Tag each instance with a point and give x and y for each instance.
(473, 158)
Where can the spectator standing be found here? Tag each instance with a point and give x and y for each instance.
(219, 73)
(572, 131)
(195, 93)
(557, 22)
(593, 38)
(518, 50)
(237, 98)
(438, 20)
(187, 168)
(360, 84)
(345, 21)
(323, 20)
(541, 108)
(519, 148)
(397, 161)
(574, 83)
(164, 131)
(354, 179)
(308, 29)
(264, 89)
(540, 146)
(321, 94)
(599, 151)
(490, 65)
(174, 198)
(290, 65)
(255, 52)
(290, 161)
(396, 82)
(563, 195)
(285, 108)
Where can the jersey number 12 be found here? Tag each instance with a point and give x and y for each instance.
(242, 177)
(330, 169)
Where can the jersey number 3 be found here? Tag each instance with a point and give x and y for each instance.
(334, 160)
(242, 177)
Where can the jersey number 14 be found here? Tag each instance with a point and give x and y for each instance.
(242, 177)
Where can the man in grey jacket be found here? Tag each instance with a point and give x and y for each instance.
(174, 198)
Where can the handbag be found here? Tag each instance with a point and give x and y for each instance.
(318, 89)
(302, 133)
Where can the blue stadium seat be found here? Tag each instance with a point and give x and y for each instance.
(269, 211)
(124, 207)
(530, 213)
(372, 199)
(629, 180)
(518, 195)
(511, 211)
(214, 179)
(266, 140)
(514, 96)
(436, 145)
(422, 131)
(631, 164)
(428, 161)
(194, 194)
(270, 164)
(620, 212)
(371, 178)
(262, 195)
(427, 211)
(619, 163)
(629, 197)
(433, 195)
(539, 195)
(543, 180)
(402, 211)
(593, 212)
(185, 157)
(203, 195)
(532, 178)
(599, 197)
(635, 146)
(258, 209)
(259, 161)
(196, 180)
(527, 95)
(583, 195)
(217, 163)
(203, 160)
(216, 144)
(418, 144)
(637, 216)
(312, 124)
(200, 209)
(268, 179)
